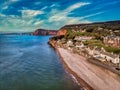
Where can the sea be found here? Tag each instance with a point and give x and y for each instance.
(29, 63)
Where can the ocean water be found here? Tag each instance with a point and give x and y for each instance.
(29, 63)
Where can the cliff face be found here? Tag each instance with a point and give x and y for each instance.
(61, 32)
(50, 32)
(44, 32)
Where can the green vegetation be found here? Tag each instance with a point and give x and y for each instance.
(71, 34)
(99, 44)
(97, 30)
(90, 29)
(102, 28)
(92, 43)
(112, 49)
(97, 34)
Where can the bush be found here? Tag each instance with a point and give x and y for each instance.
(89, 29)
(112, 49)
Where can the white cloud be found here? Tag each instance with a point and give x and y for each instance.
(76, 20)
(30, 22)
(38, 22)
(13, 0)
(2, 15)
(5, 7)
(91, 15)
(30, 13)
(45, 7)
(7, 3)
(57, 15)
(54, 5)
(13, 22)
(59, 18)
(75, 6)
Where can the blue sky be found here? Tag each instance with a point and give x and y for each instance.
(28, 15)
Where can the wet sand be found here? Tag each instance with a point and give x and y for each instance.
(89, 75)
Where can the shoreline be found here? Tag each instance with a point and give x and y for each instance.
(89, 75)
(82, 84)
(79, 80)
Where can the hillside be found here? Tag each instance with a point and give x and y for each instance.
(113, 25)
(98, 27)
(104, 34)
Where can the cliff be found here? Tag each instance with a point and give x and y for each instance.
(44, 32)
(97, 27)
(61, 32)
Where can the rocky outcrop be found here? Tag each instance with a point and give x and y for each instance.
(44, 32)
(52, 43)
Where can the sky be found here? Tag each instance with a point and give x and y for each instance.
(29, 15)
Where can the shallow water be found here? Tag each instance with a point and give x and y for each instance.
(29, 63)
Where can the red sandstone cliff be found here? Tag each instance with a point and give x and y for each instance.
(44, 32)
(61, 32)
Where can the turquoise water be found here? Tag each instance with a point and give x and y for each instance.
(29, 63)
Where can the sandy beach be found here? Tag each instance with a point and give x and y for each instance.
(94, 76)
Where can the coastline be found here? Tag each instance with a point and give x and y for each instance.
(79, 80)
(88, 75)
(83, 85)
